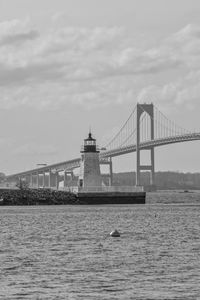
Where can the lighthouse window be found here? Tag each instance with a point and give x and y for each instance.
(90, 143)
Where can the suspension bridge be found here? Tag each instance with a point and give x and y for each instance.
(145, 129)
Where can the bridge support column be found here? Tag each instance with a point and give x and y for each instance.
(37, 180)
(57, 180)
(49, 183)
(19, 180)
(53, 179)
(110, 173)
(64, 179)
(26, 180)
(139, 112)
(31, 180)
(141, 108)
(68, 177)
(152, 178)
(43, 179)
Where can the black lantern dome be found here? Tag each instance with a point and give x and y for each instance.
(90, 144)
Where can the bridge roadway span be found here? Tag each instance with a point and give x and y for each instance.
(105, 155)
(151, 143)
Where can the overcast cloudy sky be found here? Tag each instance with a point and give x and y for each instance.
(69, 64)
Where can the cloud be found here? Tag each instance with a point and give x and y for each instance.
(29, 73)
(185, 45)
(93, 67)
(5, 142)
(190, 31)
(16, 32)
(19, 38)
(184, 89)
(184, 93)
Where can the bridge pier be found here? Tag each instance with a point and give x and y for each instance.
(31, 180)
(49, 179)
(66, 179)
(43, 179)
(152, 178)
(25, 180)
(52, 179)
(37, 180)
(110, 172)
(57, 180)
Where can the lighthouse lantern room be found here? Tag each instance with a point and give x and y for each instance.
(90, 144)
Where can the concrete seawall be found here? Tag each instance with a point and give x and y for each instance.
(97, 198)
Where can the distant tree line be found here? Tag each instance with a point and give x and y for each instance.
(164, 180)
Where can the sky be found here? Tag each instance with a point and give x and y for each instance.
(66, 65)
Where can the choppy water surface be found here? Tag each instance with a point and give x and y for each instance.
(65, 252)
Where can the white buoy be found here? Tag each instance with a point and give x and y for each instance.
(115, 233)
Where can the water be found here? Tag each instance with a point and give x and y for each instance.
(65, 252)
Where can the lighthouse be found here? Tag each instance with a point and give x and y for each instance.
(90, 174)
(92, 191)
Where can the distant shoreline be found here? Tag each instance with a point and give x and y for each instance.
(173, 197)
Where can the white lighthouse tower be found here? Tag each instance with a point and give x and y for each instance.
(90, 168)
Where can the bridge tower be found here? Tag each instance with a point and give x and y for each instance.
(90, 167)
(149, 109)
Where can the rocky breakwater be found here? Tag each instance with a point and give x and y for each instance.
(36, 197)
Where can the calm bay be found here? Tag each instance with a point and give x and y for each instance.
(66, 252)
